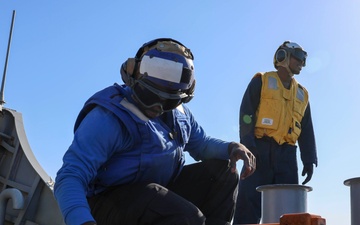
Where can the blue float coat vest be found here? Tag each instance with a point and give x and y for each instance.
(156, 154)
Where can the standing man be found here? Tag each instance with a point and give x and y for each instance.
(274, 115)
(126, 164)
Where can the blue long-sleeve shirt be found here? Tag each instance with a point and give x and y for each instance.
(249, 106)
(102, 138)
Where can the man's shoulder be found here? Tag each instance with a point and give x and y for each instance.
(259, 74)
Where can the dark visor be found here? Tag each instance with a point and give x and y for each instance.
(299, 54)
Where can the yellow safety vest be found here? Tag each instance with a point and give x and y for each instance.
(280, 110)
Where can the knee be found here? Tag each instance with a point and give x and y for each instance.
(154, 187)
(195, 219)
(178, 211)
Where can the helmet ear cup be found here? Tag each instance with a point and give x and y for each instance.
(280, 55)
(127, 71)
(130, 66)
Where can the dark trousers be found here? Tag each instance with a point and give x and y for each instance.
(275, 164)
(204, 193)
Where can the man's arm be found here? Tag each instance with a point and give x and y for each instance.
(247, 115)
(307, 146)
(94, 141)
(306, 139)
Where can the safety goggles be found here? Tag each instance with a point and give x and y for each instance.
(149, 96)
(299, 54)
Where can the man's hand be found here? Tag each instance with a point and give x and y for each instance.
(309, 170)
(239, 151)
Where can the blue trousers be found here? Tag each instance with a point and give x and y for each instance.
(275, 164)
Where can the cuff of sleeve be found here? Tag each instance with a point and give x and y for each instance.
(79, 216)
(89, 223)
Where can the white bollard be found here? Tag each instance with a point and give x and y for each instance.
(354, 184)
(280, 199)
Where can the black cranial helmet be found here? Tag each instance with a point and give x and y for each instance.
(286, 50)
(162, 72)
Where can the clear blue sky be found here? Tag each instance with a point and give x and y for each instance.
(64, 51)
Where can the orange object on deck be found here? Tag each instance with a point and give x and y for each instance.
(301, 219)
(261, 224)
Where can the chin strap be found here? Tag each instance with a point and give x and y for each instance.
(291, 74)
(285, 64)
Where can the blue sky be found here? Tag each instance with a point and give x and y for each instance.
(64, 51)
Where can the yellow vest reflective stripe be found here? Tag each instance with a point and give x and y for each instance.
(280, 110)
